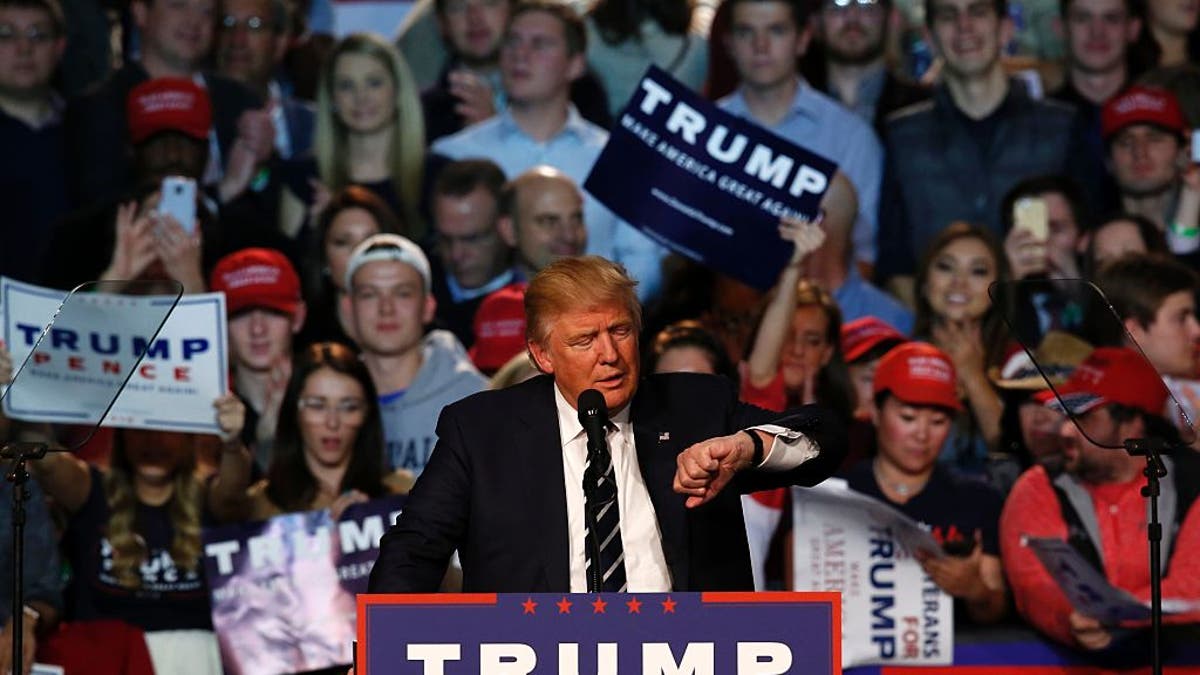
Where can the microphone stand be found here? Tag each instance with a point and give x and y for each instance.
(19, 453)
(1152, 449)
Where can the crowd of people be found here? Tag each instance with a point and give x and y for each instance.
(375, 206)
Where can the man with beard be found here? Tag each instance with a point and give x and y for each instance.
(1147, 150)
(850, 64)
(1097, 507)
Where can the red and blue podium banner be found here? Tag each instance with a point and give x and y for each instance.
(535, 634)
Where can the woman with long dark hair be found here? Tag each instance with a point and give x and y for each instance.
(956, 314)
(353, 215)
(328, 450)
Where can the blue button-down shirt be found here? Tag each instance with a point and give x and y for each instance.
(857, 298)
(818, 123)
(572, 150)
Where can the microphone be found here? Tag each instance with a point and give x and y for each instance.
(593, 415)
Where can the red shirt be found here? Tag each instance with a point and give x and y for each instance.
(1033, 510)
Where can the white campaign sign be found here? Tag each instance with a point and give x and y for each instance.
(93, 344)
(892, 612)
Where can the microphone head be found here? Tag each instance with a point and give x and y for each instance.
(592, 408)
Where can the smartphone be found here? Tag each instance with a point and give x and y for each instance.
(1196, 146)
(178, 199)
(1030, 213)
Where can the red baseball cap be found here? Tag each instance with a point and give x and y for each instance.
(257, 277)
(862, 335)
(499, 328)
(168, 104)
(1111, 375)
(920, 374)
(1140, 104)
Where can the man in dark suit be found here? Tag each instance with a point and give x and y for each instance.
(505, 484)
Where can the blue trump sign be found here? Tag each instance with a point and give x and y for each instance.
(518, 634)
(707, 184)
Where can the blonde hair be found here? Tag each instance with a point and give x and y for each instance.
(574, 283)
(129, 548)
(407, 153)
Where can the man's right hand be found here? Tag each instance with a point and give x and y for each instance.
(476, 100)
(136, 247)
(1088, 632)
(1026, 254)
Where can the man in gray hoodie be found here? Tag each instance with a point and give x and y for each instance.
(390, 304)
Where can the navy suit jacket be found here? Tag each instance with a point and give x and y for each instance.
(493, 489)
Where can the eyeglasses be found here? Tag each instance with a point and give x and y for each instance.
(37, 35)
(317, 405)
(253, 24)
(844, 5)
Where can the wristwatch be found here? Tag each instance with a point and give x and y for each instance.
(758, 447)
(33, 614)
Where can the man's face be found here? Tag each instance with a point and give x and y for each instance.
(1170, 340)
(535, 64)
(179, 32)
(473, 28)
(247, 45)
(852, 30)
(170, 153)
(1146, 159)
(260, 338)
(594, 348)
(29, 50)
(1173, 16)
(969, 35)
(1063, 230)
(389, 308)
(1090, 444)
(764, 43)
(1098, 34)
(549, 223)
(1040, 432)
(468, 242)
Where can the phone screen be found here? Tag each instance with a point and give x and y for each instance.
(178, 199)
(1030, 213)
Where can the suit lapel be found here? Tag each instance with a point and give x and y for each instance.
(539, 449)
(656, 460)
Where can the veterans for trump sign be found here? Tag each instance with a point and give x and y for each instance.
(85, 356)
(892, 612)
(607, 634)
(705, 183)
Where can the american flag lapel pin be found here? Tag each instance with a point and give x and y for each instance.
(664, 436)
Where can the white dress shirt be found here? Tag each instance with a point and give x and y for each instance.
(646, 569)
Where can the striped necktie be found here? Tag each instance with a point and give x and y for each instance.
(602, 524)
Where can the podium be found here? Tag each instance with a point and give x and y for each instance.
(606, 634)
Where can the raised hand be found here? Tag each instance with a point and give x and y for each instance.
(476, 100)
(277, 381)
(806, 236)
(1025, 252)
(135, 248)
(180, 252)
(231, 417)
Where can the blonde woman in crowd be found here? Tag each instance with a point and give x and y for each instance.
(370, 132)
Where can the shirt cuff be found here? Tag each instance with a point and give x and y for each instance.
(789, 450)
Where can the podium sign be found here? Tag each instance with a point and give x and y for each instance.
(551, 634)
